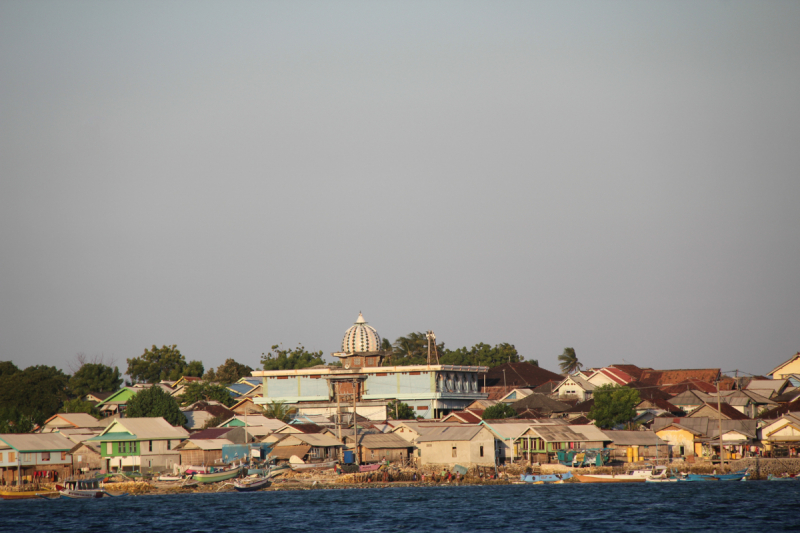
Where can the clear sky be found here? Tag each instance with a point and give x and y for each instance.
(617, 177)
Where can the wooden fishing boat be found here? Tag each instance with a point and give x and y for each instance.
(220, 475)
(251, 484)
(169, 478)
(81, 489)
(313, 466)
(735, 476)
(545, 479)
(634, 476)
(782, 478)
(27, 494)
(370, 468)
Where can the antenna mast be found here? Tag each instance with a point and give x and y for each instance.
(432, 350)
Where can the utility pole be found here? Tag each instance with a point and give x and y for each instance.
(355, 422)
(719, 411)
(505, 387)
(338, 419)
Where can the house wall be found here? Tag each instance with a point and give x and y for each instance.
(467, 452)
(620, 452)
(393, 455)
(786, 371)
(677, 438)
(149, 463)
(87, 458)
(200, 457)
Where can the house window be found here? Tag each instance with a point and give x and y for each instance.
(1, 457)
(481, 451)
(63, 456)
(151, 446)
(681, 451)
(356, 361)
(169, 444)
(455, 451)
(12, 456)
(45, 456)
(26, 457)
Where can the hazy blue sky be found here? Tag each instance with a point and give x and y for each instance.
(618, 177)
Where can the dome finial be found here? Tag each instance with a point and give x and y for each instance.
(360, 319)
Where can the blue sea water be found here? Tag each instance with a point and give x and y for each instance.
(635, 507)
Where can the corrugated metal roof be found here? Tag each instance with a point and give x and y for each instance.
(317, 439)
(559, 434)
(590, 431)
(147, 428)
(508, 430)
(203, 444)
(37, 442)
(79, 420)
(460, 432)
(381, 440)
(634, 438)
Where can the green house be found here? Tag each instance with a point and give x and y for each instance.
(547, 440)
(140, 444)
(115, 404)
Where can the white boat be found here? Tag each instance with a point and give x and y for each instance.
(83, 489)
(638, 475)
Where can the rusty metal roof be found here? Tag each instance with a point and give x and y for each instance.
(459, 432)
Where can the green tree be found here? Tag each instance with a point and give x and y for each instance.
(498, 411)
(568, 361)
(483, 355)
(7, 368)
(197, 391)
(80, 406)
(155, 402)
(31, 396)
(95, 377)
(281, 359)
(213, 422)
(613, 405)
(278, 410)
(165, 363)
(398, 410)
(386, 345)
(228, 372)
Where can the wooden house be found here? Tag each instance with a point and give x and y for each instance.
(711, 410)
(635, 446)
(26, 457)
(140, 444)
(574, 387)
(309, 447)
(381, 447)
(541, 443)
(782, 434)
(86, 458)
(463, 444)
(198, 452)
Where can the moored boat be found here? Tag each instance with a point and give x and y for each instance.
(545, 479)
(84, 489)
(251, 484)
(27, 494)
(633, 476)
(782, 478)
(313, 466)
(735, 476)
(220, 475)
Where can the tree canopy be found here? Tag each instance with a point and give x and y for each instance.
(483, 355)
(165, 363)
(95, 377)
(80, 406)
(280, 358)
(568, 361)
(498, 411)
(228, 372)
(411, 350)
(30, 396)
(197, 391)
(613, 405)
(154, 402)
(398, 410)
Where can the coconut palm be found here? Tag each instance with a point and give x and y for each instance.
(278, 410)
(568, 361)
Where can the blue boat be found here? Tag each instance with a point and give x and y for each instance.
(546, 478)
(736, 476)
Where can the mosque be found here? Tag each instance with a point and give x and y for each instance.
(432, 390)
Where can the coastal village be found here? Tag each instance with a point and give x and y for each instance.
(342, 425)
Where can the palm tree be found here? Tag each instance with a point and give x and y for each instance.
(278, 410)
(568, 361)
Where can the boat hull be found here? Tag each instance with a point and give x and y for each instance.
(251, 486)
(26, 495)
(609, 479)
(217, 476)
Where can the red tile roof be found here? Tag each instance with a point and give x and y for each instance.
(616, 375)
(465, 416)
(661, 404)
(690, 384)
(791, 407)
(671, 377)
(726, 409)
(632, 370)
(211, 433)
(648, 392)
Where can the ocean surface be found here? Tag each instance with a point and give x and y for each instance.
(759, 506)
